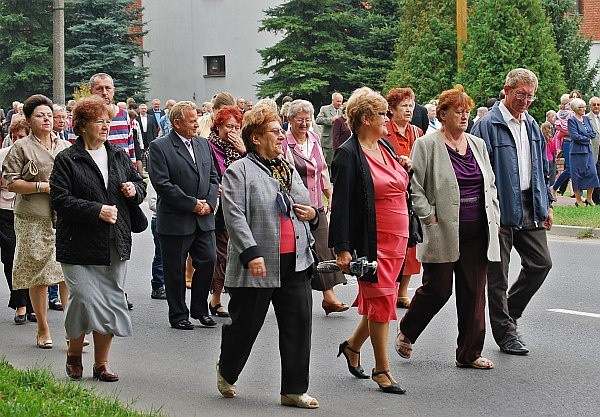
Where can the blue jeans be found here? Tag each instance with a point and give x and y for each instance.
(52, 292)
(158, 278)
(566, 174)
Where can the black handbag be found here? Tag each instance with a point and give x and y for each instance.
(415, 230)
(137, 218)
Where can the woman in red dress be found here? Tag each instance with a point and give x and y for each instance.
(402, 136)
(369, 216)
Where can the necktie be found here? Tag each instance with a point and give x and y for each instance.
(188, 145)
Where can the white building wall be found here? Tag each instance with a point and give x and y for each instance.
(182, 32)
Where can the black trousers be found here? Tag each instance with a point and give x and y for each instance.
(174, 250)
(469, 280)
(8, 242)
(532, 246)
(293, 309)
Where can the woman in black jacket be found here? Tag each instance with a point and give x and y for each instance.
(93, 185)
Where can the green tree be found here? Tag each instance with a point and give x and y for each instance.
(573, 47)
(101, 37)
(374, 37)
(310, 60)
(506, 34)
(425, 57)
(25, 49)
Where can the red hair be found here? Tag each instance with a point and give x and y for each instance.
(455, 98)
(226, 113)
(396, 95)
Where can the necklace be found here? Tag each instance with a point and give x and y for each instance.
(455, 146)
(43, 144)
(372, 149)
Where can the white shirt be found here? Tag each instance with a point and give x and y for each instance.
(518, 129)
(190, 148)
(100, 157)
(144, 120)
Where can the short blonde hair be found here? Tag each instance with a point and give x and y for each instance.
(267, 102)
(178, 109)
(366, 103)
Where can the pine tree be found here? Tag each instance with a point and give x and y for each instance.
(311, 59)
(101, 37)
(506, 34)
(373, 41)
(25, 49)
(425, 57)
(573, 47)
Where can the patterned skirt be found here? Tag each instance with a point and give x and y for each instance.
(35, 254)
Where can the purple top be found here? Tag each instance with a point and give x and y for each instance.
(470, 184)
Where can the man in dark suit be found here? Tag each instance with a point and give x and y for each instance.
(157, 112)
(148, 125)
(183, 174)
(420, 118)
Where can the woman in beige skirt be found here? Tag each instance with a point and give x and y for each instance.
(27, 169)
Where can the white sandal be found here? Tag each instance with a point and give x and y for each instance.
(299, 400)
(226, 389)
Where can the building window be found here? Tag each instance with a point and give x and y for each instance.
(215, 66)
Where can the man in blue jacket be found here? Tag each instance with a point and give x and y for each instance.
(518, 155)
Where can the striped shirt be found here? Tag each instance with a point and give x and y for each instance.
(120, 133)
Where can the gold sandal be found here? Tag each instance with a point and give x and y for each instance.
(43, 344)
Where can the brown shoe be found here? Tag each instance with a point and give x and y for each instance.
(74, 367)
(333, 308)
(104, 373)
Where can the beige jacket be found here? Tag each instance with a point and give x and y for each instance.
(20, 154)
(435, 192)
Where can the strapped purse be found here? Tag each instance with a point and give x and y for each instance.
(30, 170)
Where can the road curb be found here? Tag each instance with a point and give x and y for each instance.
(572, 231)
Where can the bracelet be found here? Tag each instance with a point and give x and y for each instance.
(38, 187)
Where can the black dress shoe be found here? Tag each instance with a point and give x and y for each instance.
(20, 319)
(159, 294)
(55, 305)
(357, 371)
(32, 317)
(514, 347)
(183, 325)
(206, 321)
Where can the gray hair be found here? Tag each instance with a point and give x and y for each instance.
(594, 98)
(577, 102)
(334, 95)
(429, 106)
(300, 105)
(482, 111)
(521, 76)
(58, 107)
(285, 108)
(100, 75)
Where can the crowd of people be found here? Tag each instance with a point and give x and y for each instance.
(246, 198)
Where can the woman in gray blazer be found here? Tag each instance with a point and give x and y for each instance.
(267, 213)
(455, 196)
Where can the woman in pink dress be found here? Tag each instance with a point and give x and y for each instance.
(369, 215)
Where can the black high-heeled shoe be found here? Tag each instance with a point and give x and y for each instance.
(393, 388)
(357, 371)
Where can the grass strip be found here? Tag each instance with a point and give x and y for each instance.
(577, 216)
(36, 392)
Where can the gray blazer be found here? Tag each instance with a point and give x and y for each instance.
(325, 119)
(252, 217)
(435, 192)
(596, 140)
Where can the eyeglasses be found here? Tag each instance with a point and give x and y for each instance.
(233, 127)
(521, 96)
(301, 121)
(277, 132)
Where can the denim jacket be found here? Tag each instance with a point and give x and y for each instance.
(503, 155)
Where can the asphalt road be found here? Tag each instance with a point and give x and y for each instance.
(171, 370)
